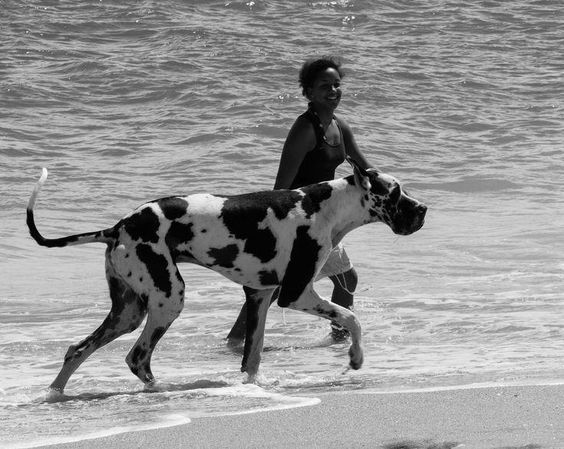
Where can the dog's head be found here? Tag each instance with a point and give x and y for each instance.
(386, 201)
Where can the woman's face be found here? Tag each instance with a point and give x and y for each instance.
(326, 89)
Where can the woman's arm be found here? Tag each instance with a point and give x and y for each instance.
(351, 146)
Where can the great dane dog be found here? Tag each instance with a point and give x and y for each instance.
(262, 240)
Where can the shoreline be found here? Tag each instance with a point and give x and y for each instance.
(506, 416)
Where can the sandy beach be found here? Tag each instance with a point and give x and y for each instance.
(483, 417)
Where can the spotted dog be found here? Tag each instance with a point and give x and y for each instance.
(261, 240)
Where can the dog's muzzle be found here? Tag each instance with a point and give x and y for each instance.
(409, 219)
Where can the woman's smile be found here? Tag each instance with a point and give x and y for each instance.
(327, 89)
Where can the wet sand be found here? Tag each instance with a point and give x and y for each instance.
(528, 417)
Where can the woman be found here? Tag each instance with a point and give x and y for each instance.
(316, 145)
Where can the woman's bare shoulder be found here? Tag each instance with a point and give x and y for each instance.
(343, 124)
(302, 129)
(303, 124)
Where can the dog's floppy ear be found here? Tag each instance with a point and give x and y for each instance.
(361, 176)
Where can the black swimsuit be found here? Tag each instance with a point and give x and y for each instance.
(320, 163)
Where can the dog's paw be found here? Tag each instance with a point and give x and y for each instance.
(52, 396)
(356, 357)
(235, 344)
(154, 387)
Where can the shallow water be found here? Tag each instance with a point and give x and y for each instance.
(126, 102)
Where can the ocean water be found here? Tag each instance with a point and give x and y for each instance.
(133, 100)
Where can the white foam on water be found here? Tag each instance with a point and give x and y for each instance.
(237, 399)
(281, 402)
(167, 421)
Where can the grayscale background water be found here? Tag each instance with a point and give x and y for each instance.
(132, 100)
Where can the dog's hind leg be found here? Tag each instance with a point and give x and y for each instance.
(310, 302)
(162, 309)
(127, 313)
(258, 302)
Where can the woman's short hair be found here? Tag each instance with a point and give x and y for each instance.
(313, 67)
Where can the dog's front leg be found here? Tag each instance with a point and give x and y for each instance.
(258, 302)
(237, 333)
(310, 302)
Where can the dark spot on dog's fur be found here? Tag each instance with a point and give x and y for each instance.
(143, 225)
(177, 234)
(242, 215)
(301, 267)
(156, 266)
(285, 203)
(224, 257)
(268, 277)
(262, 245)
(281, 202)
(173, 207)
(315, 195)
(326, 313)
(138, 355)
(157, 335)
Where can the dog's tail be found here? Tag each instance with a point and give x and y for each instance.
(105, 236)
